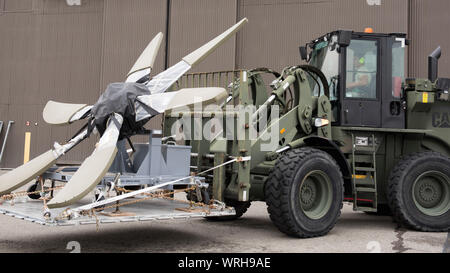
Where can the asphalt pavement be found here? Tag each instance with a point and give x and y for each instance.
(355, 232)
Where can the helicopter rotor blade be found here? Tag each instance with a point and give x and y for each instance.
(163, 81)
(21, 175)
(92, 169)
(145, 62)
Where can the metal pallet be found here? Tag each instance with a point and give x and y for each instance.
(149, 210)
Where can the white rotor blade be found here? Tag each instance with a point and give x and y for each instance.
(184, 99)
(93, 168)
(20, 176)
(197, 56)
(145, 62)
(166, 79)
(57, 113)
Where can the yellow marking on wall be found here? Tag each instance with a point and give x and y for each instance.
(425, 97)
(283, 131)
(26, 149)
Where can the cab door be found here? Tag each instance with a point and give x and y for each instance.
(392, 111)
(361, 91)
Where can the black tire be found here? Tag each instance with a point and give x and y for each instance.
(405, 200)
(282, 190)
(240, 208)
(33, 188)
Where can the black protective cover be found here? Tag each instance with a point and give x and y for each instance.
(119, 98)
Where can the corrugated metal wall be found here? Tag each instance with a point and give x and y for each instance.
(49, 50)
(278, 27)
(428, 23)
(193, 23)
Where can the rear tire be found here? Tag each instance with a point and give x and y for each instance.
(419, 192)
(33, 188)
(304, 193)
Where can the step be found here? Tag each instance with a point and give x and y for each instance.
(364, 149)
(366, 190)
(363, 158)
(366, 209)
(364, 183)
(364, 169)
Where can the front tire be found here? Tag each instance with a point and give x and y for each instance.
(419, 192)
(304, 193)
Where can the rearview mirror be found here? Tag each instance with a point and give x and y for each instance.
(345, 37)
(303, 53)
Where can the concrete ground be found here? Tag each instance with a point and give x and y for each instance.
(355, 232)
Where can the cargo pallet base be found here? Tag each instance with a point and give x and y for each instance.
(148, 210)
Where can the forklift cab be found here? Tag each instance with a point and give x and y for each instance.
(365, 72)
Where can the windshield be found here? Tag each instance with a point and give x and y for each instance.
(326, 58)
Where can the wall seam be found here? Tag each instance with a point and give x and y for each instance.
(409, 30)
(102, 57)
(167, 36)
(236, 38)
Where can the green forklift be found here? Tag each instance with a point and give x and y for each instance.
(350, 128)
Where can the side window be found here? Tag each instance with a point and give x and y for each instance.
(362, 64)
(398, 67)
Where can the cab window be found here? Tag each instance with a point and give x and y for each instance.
(398, 67)
(362, 64)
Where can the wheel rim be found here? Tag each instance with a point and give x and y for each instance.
(431, 193)
(315, 195)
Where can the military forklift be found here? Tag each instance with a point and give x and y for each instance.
(351, 128)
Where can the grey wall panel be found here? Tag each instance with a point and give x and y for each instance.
(277, 28)
(128, 27)
(17, 5)
(20, 57)
(428, 21)
(61, 7)
(52, 53)
(194, 23)
(70, 62)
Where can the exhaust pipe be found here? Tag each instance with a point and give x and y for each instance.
(433, 64)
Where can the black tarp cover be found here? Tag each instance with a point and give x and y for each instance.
(119, 98)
